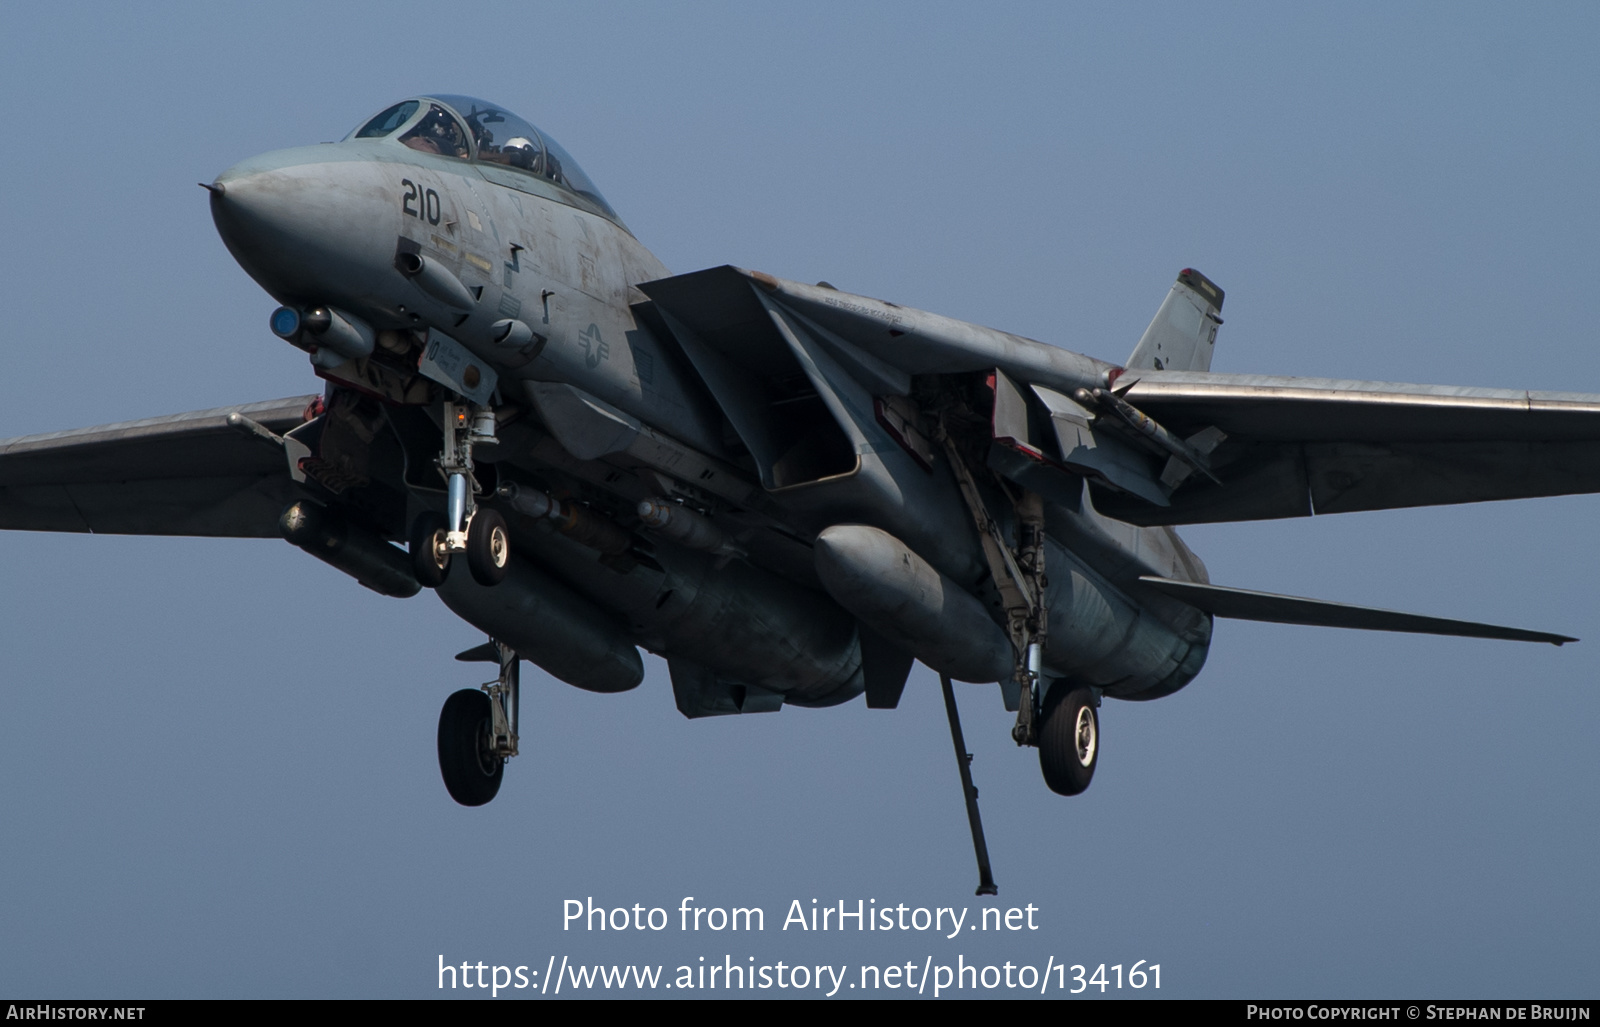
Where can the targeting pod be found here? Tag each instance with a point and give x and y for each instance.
(320, 329)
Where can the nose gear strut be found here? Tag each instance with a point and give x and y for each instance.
(465, 426)
(479, 532)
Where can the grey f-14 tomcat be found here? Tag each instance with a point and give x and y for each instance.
(789, 492)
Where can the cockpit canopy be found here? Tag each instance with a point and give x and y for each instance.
(469, 129)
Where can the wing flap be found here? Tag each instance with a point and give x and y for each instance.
(1244, 604)
(1355, 476)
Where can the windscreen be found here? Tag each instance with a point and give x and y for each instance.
(391, 119)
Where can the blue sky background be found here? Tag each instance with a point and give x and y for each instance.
(217, 774)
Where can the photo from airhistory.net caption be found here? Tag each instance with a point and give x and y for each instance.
(706, 969)
(721, 971)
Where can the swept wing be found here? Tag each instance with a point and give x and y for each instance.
(182, 474)
(1299, 446)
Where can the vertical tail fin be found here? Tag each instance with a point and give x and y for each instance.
(1184, 331)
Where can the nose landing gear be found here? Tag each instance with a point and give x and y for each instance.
(488, 547)
(430, 553)
(478, 729)
(467, 528)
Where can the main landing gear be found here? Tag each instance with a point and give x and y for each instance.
(467, 528)
(1063, 723)
(478, 729)
(1069, 738)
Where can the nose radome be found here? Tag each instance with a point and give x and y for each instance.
(257, 215)
(305, 231)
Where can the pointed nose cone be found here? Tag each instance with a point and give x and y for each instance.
(259, 223)
(306, 228)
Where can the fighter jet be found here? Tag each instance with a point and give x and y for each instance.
(789, 492)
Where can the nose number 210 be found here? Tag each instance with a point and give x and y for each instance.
(419, 203)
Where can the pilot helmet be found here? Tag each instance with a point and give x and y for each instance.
(521, 152)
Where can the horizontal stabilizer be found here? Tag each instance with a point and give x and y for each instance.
(1243, 604)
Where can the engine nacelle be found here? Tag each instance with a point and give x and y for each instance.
(1097, 635)
(878, 578)
(1102, 637)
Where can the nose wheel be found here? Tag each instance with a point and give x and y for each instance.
(488, 546)
(430, 550)
(478, 730)
(466, 528)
